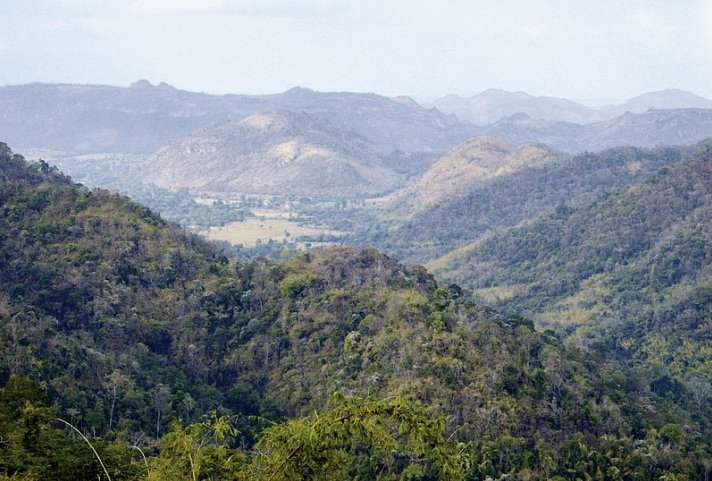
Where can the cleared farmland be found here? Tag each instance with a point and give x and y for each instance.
(270, 225)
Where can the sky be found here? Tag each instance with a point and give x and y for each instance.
(591, 51)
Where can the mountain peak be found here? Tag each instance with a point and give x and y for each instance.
(141, 84)
(405, 100)
(299, 92)
(470, 164)
(504, 94)
(666, 99)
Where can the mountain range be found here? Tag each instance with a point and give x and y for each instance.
(648, 129)
(368, 144)
(283, 159)
(75, 119)
(564, 333)
(492, 105)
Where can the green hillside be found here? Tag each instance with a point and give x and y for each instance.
(123, 323)
(629, 274)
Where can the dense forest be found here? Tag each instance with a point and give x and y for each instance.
(628, 275)
(134, 331)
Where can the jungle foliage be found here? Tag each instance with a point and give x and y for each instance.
(135, 331)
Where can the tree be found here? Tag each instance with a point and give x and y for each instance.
(116, 383)
(358, 439)
(162, 398)
(198, 451)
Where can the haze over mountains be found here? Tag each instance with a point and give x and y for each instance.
(370, 143)
(493, 104)
(141, 118)
(648, 129)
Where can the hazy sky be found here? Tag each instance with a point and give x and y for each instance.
(580, 49)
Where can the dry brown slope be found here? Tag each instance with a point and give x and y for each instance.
(471, 163)
(272, 152)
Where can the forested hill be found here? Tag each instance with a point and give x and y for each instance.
(127, 322)
(630, 273)
(528, 186)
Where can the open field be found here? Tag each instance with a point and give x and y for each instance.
(272, 227)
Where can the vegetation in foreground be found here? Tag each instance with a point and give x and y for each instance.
(125, 324)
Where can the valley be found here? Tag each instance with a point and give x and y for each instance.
(320, 240)
(530, 296)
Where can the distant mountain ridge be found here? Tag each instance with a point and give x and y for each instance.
(648, 129)
(371, 171)
(77, 119)
(368, 144)
(493, 104)
(392, 123)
